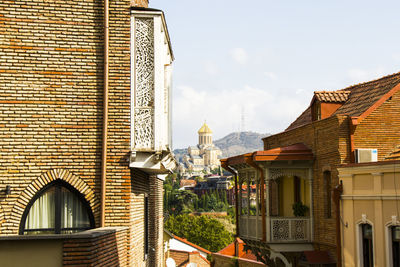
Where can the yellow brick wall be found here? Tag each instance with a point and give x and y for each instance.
(51, 98)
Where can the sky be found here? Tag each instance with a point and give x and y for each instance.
(254, 65)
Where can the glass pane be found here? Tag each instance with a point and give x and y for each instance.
(39, 232)
(396, 233)
(367, 231)
(73, 212)
(42, 212)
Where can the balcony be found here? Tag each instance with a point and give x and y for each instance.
(279, 229)
(151, 70)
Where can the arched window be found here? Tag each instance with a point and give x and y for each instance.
(328, 194)
(57, 209)
(367, 248)
(395, 245)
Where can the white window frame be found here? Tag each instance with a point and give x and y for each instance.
(359, 238)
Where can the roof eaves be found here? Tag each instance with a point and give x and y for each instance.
(191, 244)
(379, 102)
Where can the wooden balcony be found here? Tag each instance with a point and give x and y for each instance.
(279, 229)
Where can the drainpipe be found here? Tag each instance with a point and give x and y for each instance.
(251, 162)
(353, 121)
(105, 115)
(337, 192)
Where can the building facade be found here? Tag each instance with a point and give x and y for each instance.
(204, 156)
(370, 227)
(298, 168)
(84, 124)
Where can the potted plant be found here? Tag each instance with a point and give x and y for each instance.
(299, 209)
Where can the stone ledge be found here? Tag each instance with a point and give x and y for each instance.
(92, 233)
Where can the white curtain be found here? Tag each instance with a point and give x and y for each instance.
(73, 213)
(42, 213)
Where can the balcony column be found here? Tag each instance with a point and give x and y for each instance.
(257, 202)
(248, 200)
(240, 198)
(266, 200)
(310, 183)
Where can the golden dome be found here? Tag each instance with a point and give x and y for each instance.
(205, 129)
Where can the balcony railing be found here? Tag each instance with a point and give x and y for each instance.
(290, 229)
(282, 229)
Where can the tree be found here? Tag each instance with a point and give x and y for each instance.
(182, 201)
(200, 230)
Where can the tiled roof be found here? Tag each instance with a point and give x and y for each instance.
(332, 96)
(395, 154)
(303, 119)
(365, 95)
(188, 183)
(184, 240)
(230, 251)
(362, 96)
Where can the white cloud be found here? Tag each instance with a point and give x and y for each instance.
(396, 57)
(362, 75)
(271, 75)
(239, 55)
(265, 111)
(211, 68)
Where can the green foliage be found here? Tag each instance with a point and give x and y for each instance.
(200, 230)
(299, 209)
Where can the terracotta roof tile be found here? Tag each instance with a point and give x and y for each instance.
(395, 154)
(366, 94)
(303, 119)
(184, 240)
(332, 96)
(362, 96)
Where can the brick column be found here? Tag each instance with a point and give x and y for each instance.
(156, 224)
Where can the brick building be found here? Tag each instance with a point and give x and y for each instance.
(84, 132)
(299, 167)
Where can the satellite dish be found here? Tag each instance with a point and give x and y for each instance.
(170, 262)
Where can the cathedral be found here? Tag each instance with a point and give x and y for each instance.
(204, 156)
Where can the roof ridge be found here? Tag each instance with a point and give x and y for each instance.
(372, 81)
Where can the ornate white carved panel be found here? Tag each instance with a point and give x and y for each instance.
(143, 121)
(151, 59)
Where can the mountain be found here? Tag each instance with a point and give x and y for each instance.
(239, 143)
(233, 144)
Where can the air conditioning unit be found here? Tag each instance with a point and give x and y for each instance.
(366, 155)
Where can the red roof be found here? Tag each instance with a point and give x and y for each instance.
(331, 96)
(187, 183)
(184, 240)
(363, 97)
(230, 251)
(297, 151)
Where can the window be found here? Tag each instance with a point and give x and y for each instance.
(297, 188)
(57, 209)
(395, 232)
(328, 194)
(146, 226)
(367, 245)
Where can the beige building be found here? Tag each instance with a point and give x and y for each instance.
(370, 207)
(204, 156)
